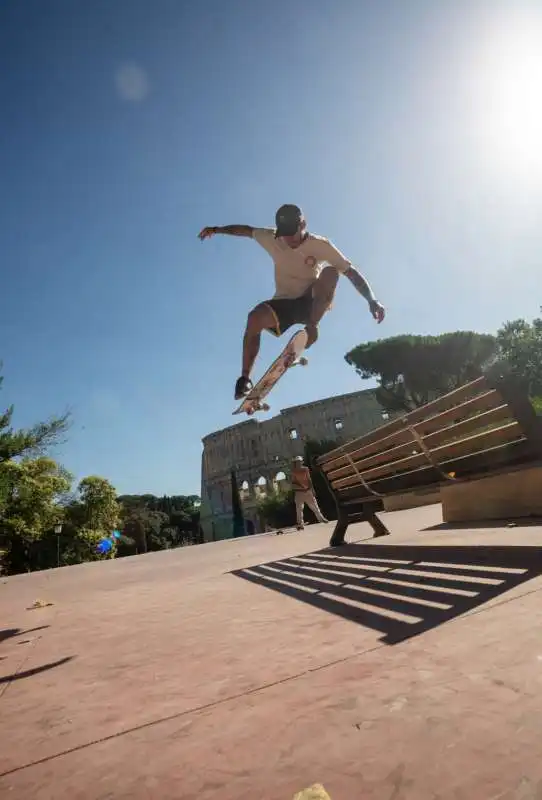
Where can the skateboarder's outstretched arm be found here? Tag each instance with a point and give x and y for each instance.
(343, 265)
(229, 230)
(362, 285)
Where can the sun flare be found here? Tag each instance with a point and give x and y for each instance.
(506, 90)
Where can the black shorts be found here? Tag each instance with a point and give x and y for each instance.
(290, 311)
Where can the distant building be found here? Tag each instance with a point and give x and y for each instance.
(261, 453)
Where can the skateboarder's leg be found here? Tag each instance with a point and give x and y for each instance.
(323, 291)
(261, 318)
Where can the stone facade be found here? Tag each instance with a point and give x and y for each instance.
(260, 452)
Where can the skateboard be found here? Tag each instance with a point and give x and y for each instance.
(290, 357)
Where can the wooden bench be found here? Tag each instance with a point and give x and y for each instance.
(483, 427)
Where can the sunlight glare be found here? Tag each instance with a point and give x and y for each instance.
(506, 95)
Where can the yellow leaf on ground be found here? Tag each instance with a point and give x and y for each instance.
(315, 792)
(39, 604)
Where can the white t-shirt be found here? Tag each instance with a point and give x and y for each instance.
(297, 268)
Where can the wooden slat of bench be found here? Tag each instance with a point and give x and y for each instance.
(488, 401)
(464, 467)
(368, 499)
(380, 457)
(431, 486)
(392, 467)
(437, 484)
(469, 444)
(500, 414)
(483, 402)
(439, 455)
(434, 407)
(493, 416)
(402, 438)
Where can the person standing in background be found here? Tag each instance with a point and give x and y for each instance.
(304, 492)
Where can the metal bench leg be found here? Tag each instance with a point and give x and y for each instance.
(376, 524)
(337, 537)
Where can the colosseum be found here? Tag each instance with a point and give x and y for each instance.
(260, 454)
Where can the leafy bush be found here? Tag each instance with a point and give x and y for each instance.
(277, 509)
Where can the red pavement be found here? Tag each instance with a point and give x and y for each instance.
(167, 676)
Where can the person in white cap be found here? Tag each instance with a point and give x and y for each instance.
(304, 286)
(304, 492)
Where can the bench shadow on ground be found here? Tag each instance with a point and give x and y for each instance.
(400, 591)
(28, 673)
(10, 633)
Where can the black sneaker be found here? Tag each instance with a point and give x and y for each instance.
(242, 387)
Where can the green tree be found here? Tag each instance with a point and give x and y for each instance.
(98, 500)
(520, 347)
(92, 515)
(145, 528)
(169, 537)
(277, 508)
(31, 487)
(37, 440)
(82, 546)
(182, 512)
(30, 512)
(412, 370)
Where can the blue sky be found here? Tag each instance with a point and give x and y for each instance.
(408, 131)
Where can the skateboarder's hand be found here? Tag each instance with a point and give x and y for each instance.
(377, 310)
(206, 233)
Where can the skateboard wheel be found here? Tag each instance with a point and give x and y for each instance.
(264, 407)
(303, 361)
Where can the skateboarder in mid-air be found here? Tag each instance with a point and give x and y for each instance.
(304, 286)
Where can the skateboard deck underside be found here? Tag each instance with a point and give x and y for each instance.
(288, 358)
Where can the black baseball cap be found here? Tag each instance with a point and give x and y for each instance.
(288, 219)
